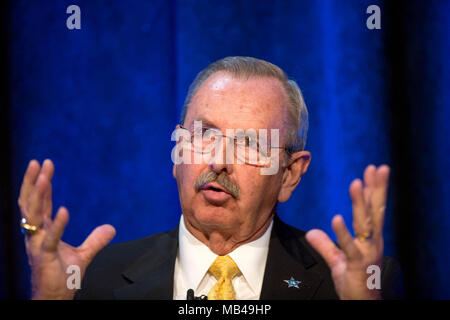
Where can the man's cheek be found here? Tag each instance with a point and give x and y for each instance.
(251, 190)
(187, 172)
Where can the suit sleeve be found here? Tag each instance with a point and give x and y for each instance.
(392, 286)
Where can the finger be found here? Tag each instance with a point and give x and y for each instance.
(34, 213)
(369, 182)
(29, 179)
(345, 239)
(379, 198)
(56, 230)
(98, 239)
(320, 241)
(362, 222)
(47, 204)
(48, 169)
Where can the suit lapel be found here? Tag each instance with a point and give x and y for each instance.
(151, 276)
(288, 257)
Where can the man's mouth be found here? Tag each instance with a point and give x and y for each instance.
(213, 187)
(215, 193)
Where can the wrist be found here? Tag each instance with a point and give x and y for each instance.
(39, 295)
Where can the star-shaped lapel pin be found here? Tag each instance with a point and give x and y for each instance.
(293, 283)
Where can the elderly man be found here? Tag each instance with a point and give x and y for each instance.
(229, 243)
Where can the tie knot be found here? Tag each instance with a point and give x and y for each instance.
(224, 267)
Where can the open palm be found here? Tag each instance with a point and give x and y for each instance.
(48, 256)
(349, 262)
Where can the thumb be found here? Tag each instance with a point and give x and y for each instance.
(320, 241)
(96, 241)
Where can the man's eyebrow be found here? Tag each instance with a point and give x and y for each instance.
(205, 123)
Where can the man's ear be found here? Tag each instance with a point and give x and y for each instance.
(174, 169)
(298, 164)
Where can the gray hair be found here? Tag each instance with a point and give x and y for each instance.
(248, 67)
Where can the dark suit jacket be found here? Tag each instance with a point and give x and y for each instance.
(144, 269)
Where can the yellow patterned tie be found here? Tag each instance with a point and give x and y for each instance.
(224, 269)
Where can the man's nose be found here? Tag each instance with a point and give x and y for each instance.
(219, 167)
(220, 161)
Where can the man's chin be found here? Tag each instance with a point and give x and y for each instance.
(215, 217)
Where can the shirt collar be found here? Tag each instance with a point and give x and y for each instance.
(196, 258)
(251, 259)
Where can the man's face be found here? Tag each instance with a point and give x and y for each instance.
(224, 102)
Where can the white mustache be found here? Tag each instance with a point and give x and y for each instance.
(222, 179)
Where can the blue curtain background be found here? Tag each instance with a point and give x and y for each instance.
(101, 102)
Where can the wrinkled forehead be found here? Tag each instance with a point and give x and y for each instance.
(226, 102)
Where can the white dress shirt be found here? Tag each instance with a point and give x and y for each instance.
(194, 259)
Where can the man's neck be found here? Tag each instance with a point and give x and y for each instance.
(222, 243)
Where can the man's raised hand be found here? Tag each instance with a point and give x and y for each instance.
(348, 264)
(48, 256)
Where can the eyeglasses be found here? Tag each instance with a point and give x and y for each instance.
(247, 148)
